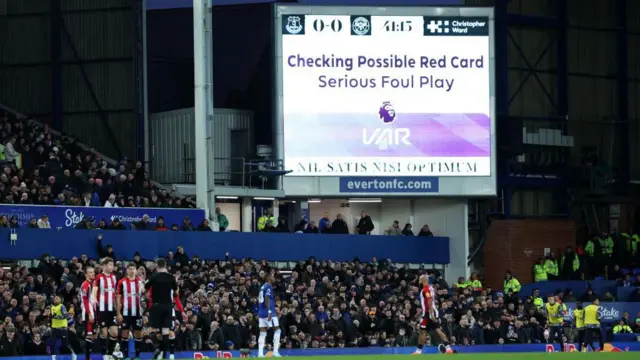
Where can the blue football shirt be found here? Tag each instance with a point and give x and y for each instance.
(266, 291)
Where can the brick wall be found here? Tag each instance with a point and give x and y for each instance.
(517, 244)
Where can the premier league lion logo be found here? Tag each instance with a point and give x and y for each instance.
(387, 112)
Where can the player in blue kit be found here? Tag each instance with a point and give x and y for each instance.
(267, 318)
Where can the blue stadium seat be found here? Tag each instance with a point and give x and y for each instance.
(599, 278)
(624, 271)
(636, 271)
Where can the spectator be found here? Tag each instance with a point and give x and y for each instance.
(311, 228)
(143, 224)
(339, 226)
(160, 226)
(43, 222)
(365, 224)
(10, 153)
(204, 225)
(394, 229)
(111, 202)
(425, 231)
(407, 231)
(187, 225)
(324, 222)
(222, 220)
(9, 343)
(622, 328)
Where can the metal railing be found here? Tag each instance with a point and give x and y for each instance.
(238, 172)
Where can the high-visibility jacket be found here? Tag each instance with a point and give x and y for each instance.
(576, 262)
(475, 284)
(607, 246)
(539, 273)
(264, 219)
(512, 284)
(551, 266)
(625, 329)
(630, 243)
(590, 248)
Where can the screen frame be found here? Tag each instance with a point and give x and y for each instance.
(301, 185)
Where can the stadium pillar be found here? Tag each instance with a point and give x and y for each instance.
(247, 215)
(56, 65)
(203, 94)
(622, 76)
(502, 100)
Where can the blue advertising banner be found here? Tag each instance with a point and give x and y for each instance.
(474, 349)
(389, 184)
(610, 312)
(65, 217)
(176, 4)
(66, 243)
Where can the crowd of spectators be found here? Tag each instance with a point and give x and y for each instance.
(321, 304)
(55, 170)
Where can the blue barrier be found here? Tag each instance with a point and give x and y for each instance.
(69, 216)
(474, 349)
(66, 243)
(624, 293)
(578, 287)
(610, 312)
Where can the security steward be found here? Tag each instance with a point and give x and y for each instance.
(578, 321)
(592, 322)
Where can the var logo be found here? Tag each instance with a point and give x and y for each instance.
(383, 137)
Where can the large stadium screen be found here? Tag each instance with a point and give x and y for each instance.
(386, 95)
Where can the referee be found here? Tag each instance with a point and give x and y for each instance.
(162, 286)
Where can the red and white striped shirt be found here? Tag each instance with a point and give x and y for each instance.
(130, 292)
(426, 296)
(86, 301)
(106, 285)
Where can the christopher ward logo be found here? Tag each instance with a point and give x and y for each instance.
(384, 137)
(456, 26)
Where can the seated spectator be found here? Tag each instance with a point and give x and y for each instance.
(111, 202)
(204, 225)
(311, 228)
(43, 222)
(622, 328)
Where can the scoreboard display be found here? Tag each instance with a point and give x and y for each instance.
(386, 92)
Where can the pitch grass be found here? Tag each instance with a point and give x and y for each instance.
(485, 356)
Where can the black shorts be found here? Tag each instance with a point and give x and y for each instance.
(161, 316)
(429, 325)
(132, 322)
(106, 319)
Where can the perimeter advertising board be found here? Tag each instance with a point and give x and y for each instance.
(385, 101)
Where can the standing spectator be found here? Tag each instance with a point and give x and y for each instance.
(407, 231)
(425, 231)
(324, 222)
(9, 343)
(365, 224)
(10, 153)
(394, 229)
(43, 222)
(223, 222)
(339, 226)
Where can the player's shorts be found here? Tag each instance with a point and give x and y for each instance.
(106, 319)
(132, 322)
(264, 323)
(429, 325)
(161, 316)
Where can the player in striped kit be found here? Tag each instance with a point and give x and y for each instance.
(88, 313)
(430, 321)
(104, 297)
(129, 309)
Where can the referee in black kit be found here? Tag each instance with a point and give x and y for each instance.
(162, 285)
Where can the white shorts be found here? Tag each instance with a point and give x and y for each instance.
(264, 323)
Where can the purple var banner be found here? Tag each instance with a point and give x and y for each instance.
(176, 4)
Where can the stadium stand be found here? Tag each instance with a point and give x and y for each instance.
(42, 168)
